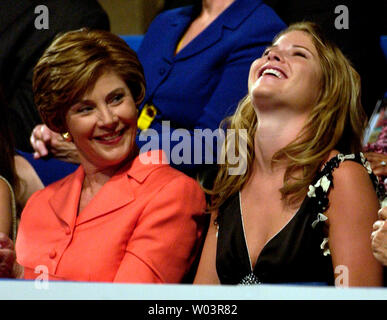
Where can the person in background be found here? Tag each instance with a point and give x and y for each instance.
(375, 148)
(18, 180)
(27, 28)
(379, 238)
(115, 219)
(304, 208)
(196, 60)
(356, 31)
(378, 161)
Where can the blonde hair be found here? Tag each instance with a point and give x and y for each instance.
(337, 121)
(72, 64)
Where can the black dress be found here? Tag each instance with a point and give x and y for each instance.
(298, 253)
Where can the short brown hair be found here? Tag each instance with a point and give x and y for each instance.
(72, 64)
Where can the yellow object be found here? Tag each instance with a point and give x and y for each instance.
(178, 47)
(146, 117)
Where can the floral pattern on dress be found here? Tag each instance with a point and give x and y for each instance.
(318, 192)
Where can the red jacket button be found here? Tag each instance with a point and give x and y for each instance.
(52, 254)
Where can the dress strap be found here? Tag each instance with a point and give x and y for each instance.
(359, 158)
(13, 207)
(319, 189)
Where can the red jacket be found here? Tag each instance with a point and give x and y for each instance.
(142, 226)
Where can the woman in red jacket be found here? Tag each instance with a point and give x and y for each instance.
(115, 218)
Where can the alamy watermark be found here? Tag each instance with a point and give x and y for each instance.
(42, 19)
(342, 20)
(41, 281)
(342, 276)
(202, 146)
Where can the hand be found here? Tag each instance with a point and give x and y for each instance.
(45, 141)
(379, 237)
(378, 163)
(7, 258)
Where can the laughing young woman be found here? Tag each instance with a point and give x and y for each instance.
(115, 218)
(304, 210)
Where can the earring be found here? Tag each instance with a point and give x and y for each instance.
(66, 136)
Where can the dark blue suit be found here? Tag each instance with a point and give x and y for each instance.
(203, 83)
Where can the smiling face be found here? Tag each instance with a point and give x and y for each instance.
(103, 124)
(288, 73)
